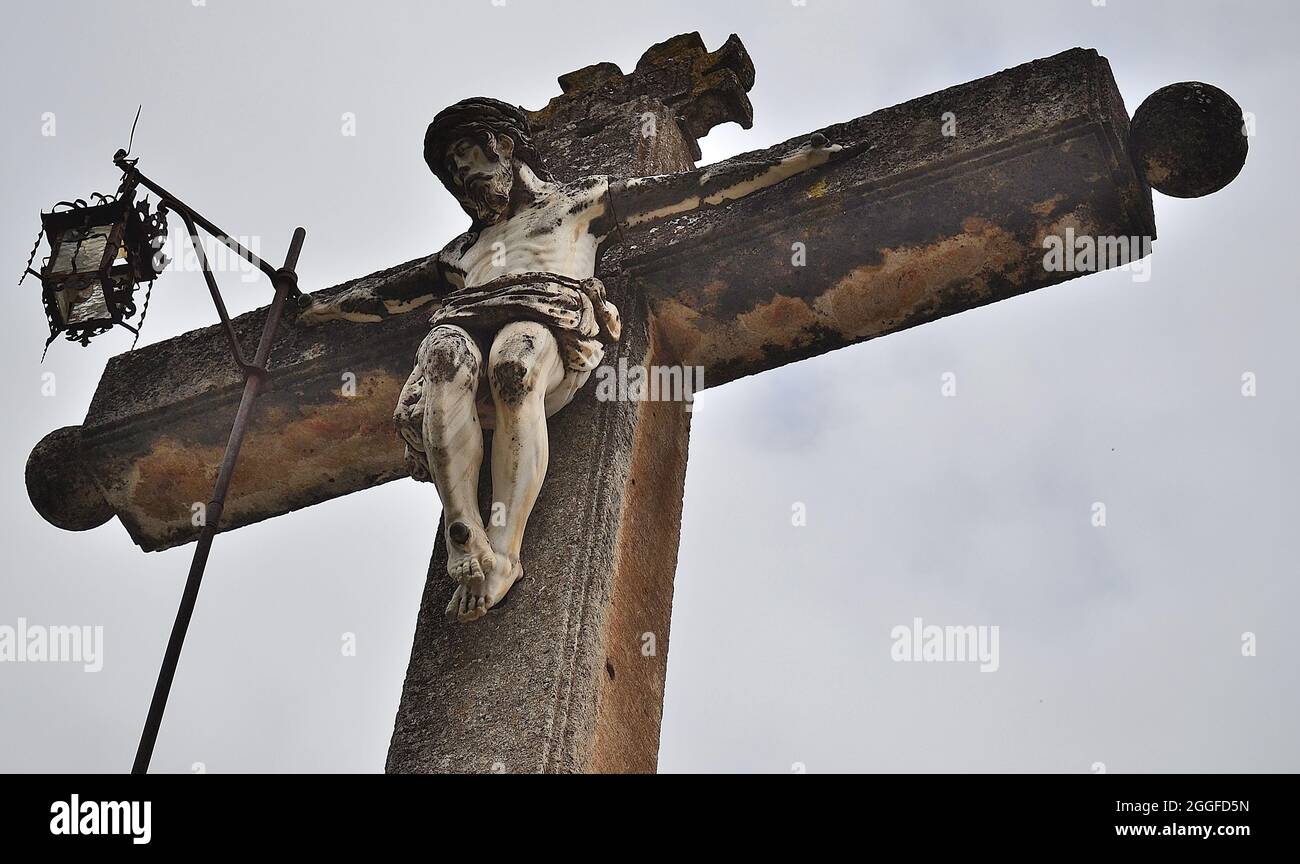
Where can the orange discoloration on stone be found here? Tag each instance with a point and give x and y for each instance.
(1046, 207)
(287, 450)
(676, 328)
(868, 301)
(172, 477)
(775, 320)
(1080, 220)
(875, 298)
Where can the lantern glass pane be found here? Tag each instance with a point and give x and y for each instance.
(81, 250)
(87, 305)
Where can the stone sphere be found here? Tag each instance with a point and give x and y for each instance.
(59, 487)
(1188, 139)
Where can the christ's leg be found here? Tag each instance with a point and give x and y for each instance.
(450, 362)
(523, 367)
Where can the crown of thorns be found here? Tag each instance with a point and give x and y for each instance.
(474, 117)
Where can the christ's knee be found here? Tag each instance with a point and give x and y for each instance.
(450, 359)
(519, 367)
(515, 381)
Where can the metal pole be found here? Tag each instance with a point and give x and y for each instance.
(285, 282)
(128, 167)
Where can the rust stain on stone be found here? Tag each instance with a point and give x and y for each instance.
(1047, 206)
(906, 282)
(875, 298)
(775, 320)
(1081, 221)
(172, 477)
(676, 328)
(285, 453)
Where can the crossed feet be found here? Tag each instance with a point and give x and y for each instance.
(482, 575)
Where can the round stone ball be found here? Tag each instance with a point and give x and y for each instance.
(59, 487)
(1189, 139)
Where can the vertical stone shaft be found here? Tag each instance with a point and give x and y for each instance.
(569, 674)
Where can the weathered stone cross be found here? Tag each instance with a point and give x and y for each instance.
(927, 222)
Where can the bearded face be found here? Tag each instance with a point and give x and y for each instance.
(482, 174)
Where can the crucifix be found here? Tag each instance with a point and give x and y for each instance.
(519, 318)
(893, 219)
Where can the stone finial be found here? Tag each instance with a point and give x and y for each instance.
(1189, 139)
(703, 88)
(60, 486)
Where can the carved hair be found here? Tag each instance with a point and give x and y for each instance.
(473, 118)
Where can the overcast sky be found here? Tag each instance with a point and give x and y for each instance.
(1118, 645)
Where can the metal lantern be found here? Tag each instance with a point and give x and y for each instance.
(99, 253)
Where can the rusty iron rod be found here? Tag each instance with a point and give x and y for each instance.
(231, 337)
(128, 167)
(285, 281)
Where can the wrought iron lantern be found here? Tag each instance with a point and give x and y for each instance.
(99, 253)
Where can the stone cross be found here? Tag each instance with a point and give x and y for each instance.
(946, 208)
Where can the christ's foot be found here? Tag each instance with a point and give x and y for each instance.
(465, 605)
(501, 579)
(469, 556)
(472, 601)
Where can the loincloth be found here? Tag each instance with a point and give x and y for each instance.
(576, 311)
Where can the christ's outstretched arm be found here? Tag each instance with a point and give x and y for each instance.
(368, 300)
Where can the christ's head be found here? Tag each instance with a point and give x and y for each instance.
(476, 148)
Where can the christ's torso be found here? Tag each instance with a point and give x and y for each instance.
(558, 233)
